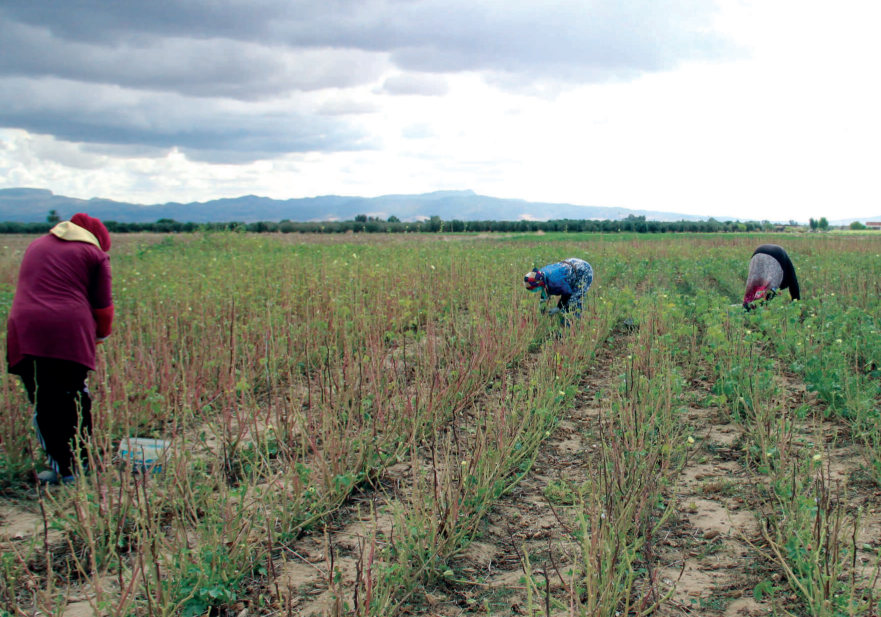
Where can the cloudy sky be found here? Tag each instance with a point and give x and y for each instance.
(751, 108)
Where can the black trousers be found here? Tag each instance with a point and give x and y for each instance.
(62, 407)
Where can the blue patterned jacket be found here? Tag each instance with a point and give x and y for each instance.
(570, 279)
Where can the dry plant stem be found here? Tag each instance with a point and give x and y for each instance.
(47, 549)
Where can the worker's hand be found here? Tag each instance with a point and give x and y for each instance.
(554, 311)
(99, 341)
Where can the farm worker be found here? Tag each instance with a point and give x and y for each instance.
(62, 309)
(770, 269)
(570, 279)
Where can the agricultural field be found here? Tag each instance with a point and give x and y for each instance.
(387, 425)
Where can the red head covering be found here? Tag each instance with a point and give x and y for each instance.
(754, 292)
(95, 226)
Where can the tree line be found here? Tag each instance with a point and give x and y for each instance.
(435, 224)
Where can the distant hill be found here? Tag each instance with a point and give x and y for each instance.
(861, 219)
(26, 205)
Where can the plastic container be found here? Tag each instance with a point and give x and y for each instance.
(144, 454)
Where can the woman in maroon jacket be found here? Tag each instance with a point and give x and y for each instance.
(62, 309)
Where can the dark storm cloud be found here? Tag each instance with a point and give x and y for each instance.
(106, 115)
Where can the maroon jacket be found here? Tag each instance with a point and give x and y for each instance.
(57, 310)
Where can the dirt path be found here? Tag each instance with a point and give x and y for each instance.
(709, 559)
(527, 524)
(721, 505)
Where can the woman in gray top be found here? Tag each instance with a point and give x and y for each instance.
(770, 269)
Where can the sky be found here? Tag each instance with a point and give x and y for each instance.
(758, 109)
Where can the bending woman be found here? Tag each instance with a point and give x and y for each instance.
(62, 309)
(570, 279)
(770, 270)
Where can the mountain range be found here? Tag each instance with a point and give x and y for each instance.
(26, 205)
(31, 205)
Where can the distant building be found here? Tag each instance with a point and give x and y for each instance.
(875, 225)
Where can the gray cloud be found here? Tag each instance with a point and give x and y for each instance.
(124, 150)
(211, 131)
(205, 68)
(415, 83)
(67, 154)
(108, 22)
(216, 78)
(570, 40)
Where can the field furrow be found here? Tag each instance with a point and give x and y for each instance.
(529, 532)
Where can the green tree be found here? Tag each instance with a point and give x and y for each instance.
(361, 218)
(823, 224)
(435, 224)
(857, 225)
(813, 224)
(393, 219)
(53, 217)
